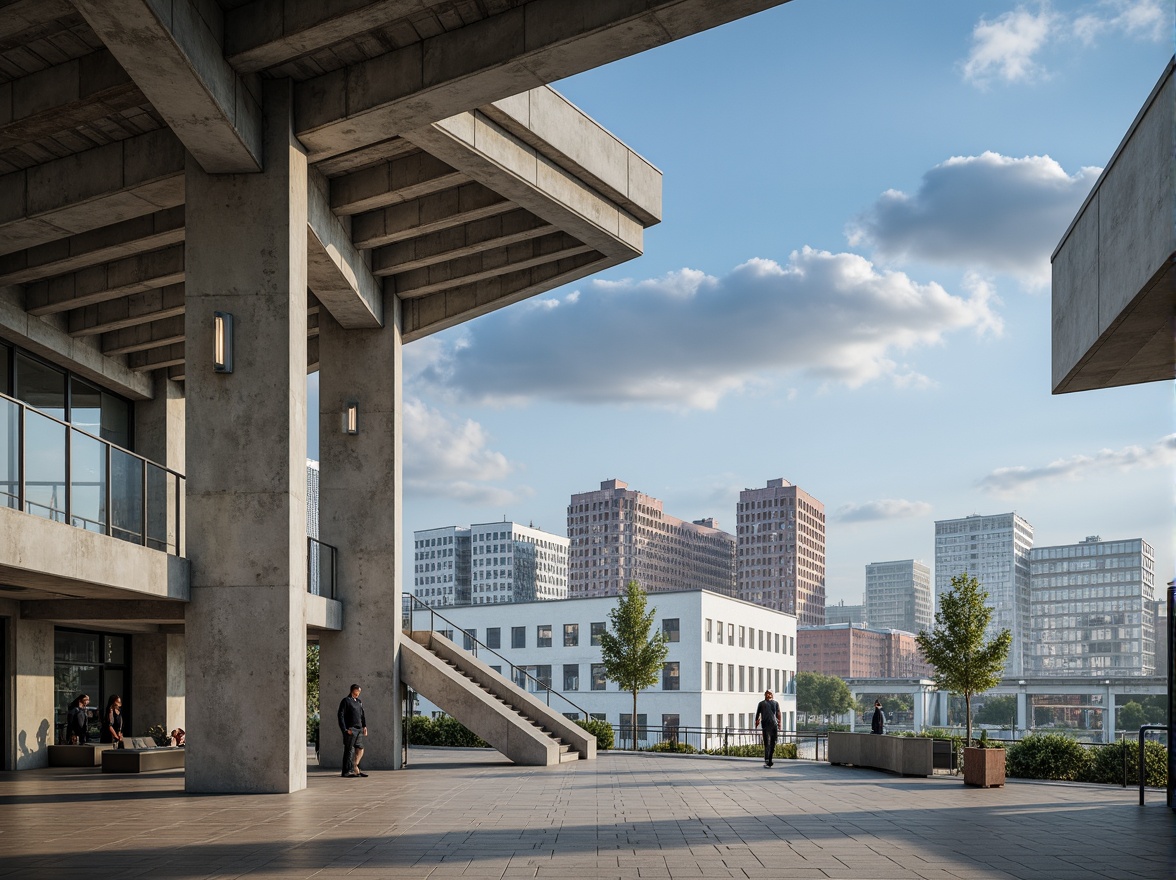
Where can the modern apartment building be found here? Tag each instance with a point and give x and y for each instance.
(851, 651)
(1092, 608)
(780, 560)
(898, 595)
(994, 550)
(723, 654)
(488, 564)
(842, 613)
(618, 534)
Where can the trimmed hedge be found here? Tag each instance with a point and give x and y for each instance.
(1048, 756)
(1106, 764)
(443, 731)
(602, 730)
(756, 750)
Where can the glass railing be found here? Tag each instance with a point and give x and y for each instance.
(49, 468)
(320, 568)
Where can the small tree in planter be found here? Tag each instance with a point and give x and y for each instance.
(966, 661)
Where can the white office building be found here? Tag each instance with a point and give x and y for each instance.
(995, 551)
(723, 654)
(1092, 607)
(489, 564)
(898, 595)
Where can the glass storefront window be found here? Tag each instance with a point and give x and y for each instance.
(88, 663)
(40, 385)
(85, 406)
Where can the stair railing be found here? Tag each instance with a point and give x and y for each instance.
(518, 673)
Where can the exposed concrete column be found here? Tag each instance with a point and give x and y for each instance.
(1109, 715)
(157, 683)
(944, 704)
(1022, 714)
(360, 513)
(920, 704)
(246, 464)
(31, 658)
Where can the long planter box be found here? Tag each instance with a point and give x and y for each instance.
(141, 760)
(87, 755)
(905, 755)
(984, 768)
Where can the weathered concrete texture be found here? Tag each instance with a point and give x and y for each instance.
(106, 281)
(41, 554)
(493, 721)
(1114, 273)
(157, 686)
(360, 503)
(905, 755)
(336, 269)
(246, 624)
(31, 658)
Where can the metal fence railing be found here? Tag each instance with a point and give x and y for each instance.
(51, 469)
(516, 674)
(322, 561)
(729, 741)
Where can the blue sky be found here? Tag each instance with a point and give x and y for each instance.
(849, 289)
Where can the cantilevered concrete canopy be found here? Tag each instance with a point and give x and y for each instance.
(341, 176)
(1114, 272)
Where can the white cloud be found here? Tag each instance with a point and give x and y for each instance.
(886, 508)
(687, 339)
(1005, 48)
(988, 212)
(1008, 48)
(451, 459)
(1012, 480)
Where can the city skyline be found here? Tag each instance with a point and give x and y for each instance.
(850, 291)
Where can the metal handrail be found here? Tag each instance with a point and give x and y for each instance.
(311, 556)
(1143, 766)
(108, 528)
(476, 642)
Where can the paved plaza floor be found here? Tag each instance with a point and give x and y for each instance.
(470, 813)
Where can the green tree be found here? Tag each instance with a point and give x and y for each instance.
(312, 692)
(966, 662)
(823, 695)
(998, 710)
(1132, 716)
(632, 658)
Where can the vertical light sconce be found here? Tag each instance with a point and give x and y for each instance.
(222, 333)
(351, 417)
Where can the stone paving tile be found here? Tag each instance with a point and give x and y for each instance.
(470, 814)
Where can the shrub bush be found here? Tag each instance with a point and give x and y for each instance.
(1106, 764)
(443, 731)
(755, 750)
(1048, 756)
(667, 746)
(602, 730)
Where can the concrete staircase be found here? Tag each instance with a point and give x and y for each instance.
(511, 720)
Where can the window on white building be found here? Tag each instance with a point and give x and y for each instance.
(670, 676)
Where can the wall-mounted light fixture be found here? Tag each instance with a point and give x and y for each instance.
(351, 417)
(222, 334)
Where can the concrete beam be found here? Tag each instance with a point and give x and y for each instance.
(427, 214)
(501, 55)
(82, 356)
(98, 284)
(137, 610)
(135, 236)
(461, 241)
(558, 129)
(381, 151)
(76, 92)
(157, 334)
(439, 311)
(128, 311)
(89, 190)
(391, 182)
(487, 153)
(156, 358)
(171, 48)
(26, 20)
(487, 264)
(336, 270)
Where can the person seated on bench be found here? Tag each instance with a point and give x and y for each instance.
(177, 736)
(77, 725)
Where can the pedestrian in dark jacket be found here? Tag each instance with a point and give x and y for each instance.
(879, 720)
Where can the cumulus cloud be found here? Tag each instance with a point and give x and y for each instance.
(688, 338)
(886, 508)
(1011, 480)
(988, 212)
(1007, 48)
(449, 458)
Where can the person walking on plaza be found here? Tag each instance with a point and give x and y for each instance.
(878, 722)
(769, 720)
(353, 724)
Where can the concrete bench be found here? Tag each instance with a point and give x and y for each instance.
(141, 755)
(905, 755)
(84, 755)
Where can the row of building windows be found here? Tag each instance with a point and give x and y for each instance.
(537, 678)
(783, 644)
(745, 679)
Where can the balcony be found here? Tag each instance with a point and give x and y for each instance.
(50, 469)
